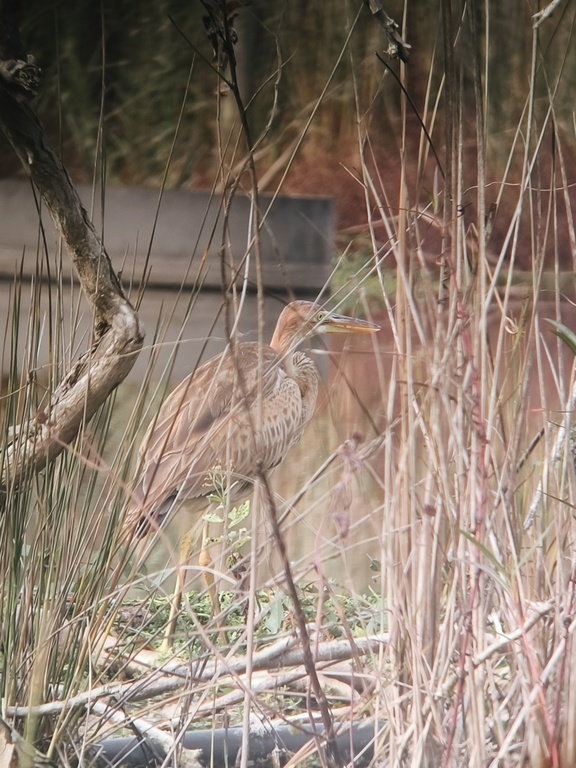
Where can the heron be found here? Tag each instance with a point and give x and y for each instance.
(237, 415)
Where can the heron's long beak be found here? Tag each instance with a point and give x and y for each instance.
(334, 323)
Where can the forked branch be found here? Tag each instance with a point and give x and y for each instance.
(117, 333)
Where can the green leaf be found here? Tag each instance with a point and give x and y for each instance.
(239, 513)
(565, 334)
(275, 617)
(212, 517)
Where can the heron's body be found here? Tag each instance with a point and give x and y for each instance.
(226, 417)
(236, 416)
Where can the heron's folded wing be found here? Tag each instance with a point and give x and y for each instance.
(204, 423)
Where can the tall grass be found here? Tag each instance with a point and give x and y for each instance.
(453, 509)
(463, 565)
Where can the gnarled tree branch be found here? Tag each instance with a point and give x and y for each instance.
(118, 334)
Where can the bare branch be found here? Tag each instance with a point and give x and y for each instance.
(545, 13)
(117, 335)
(168, 677)
(397, 47)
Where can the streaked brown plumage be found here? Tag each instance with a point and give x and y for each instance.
(227, 416)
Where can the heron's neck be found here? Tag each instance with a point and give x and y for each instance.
(279, 343)
(297, 365)
(285, 354)
(284, 344)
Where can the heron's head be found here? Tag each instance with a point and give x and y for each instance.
(301, 319)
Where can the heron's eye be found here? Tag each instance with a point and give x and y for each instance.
(321, 315)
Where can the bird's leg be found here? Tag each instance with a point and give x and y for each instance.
(207, 566)
(185, 553)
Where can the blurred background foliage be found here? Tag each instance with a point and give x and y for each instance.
(118, 73)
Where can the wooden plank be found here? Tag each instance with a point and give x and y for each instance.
(296, 239)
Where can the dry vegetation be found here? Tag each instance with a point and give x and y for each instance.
(460, 651)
